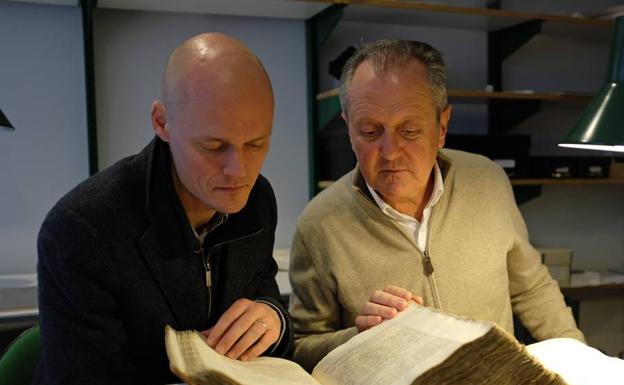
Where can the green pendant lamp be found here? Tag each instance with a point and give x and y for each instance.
(601, 127)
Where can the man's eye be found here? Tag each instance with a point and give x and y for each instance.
(212, 149)
(411, 133)
(369, 134)
(255, 146)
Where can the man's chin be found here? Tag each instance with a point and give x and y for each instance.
(391, 189)
(231, 210)
(229, 202)
(392, 195)
(230, 206)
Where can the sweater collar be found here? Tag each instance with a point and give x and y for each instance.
(436, 193)
(444, 163)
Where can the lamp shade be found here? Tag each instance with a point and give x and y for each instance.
(601, 126)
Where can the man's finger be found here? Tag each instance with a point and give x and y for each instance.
(365, 322)
(256, 331)
(236, 331)
(386, 312)
(258, 348)
(398, 291)
(387, 299)
(225, 322)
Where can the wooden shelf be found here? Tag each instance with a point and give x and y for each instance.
(558, 96)
(561, 182)
(327, 94)
(300, 10)
(478, 94)
(614, 288)
(323, 184)
(458, 17)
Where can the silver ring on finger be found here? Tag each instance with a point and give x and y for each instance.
(263, 324)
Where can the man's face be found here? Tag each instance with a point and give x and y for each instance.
(393, 129)
(218, 147)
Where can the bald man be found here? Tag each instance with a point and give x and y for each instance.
(181, 233)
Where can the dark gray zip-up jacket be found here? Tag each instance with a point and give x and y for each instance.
(118, 261)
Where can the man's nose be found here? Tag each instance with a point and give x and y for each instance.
(234, 164)
(390, 147)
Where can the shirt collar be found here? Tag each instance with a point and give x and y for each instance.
(202, 231)
(438, 189)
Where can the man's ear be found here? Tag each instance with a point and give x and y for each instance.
(159, 120)
(445, 117)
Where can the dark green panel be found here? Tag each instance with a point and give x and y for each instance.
(327, 109)
(318, 29)
(87, 7)
(324, 23)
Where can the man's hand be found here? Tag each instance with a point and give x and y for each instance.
(245, 330)
(384, 304)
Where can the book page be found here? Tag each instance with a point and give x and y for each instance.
(195, 362)
(399, 350)
(577, 363)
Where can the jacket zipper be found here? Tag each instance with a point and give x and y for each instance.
(427, 264)
(208, 270)
(207, 276)
(427, 260)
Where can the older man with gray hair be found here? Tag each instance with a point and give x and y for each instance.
(412, 221)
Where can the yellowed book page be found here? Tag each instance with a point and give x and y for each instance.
(577, 363)
(191, 359)
(399, 350)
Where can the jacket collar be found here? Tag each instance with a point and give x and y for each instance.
(166, 213)
(162, 205)
(169, 245)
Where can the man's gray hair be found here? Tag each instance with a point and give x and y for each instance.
(388, 53)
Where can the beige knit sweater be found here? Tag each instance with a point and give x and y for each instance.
(344, 248)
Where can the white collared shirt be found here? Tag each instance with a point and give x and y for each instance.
(415, 229)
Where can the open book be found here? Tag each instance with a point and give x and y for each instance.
(419, 346)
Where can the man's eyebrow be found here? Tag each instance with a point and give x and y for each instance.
(365, 120)
(415, 116)
(216, 139)
(258, 138)
(209, 139)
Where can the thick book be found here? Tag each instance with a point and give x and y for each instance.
(419, 346)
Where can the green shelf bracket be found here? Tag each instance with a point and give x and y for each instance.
(504, 42)
(324, 22)
(326, 110)
(526, 193)
(504, 114)
(318, 29)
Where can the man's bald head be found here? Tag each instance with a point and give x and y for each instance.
(212, 67)
(216, 115)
